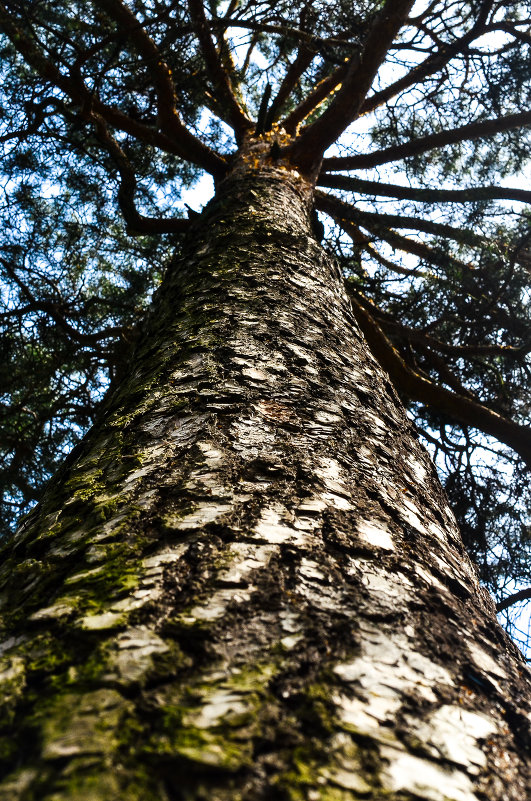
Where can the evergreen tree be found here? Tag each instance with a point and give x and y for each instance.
(244, 580)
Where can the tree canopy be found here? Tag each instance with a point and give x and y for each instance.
(413, 119)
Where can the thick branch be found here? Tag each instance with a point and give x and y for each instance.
(308, 148)
(314, 99)
(514, 598)
(472, 195)
(434, 63)
(474, 130)
(170, 123)
(87, 102)
(333, 206)
(466, 411)
(136, 223)
(218, 76)
(295, 70)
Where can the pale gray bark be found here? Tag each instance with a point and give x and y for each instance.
(249, 584)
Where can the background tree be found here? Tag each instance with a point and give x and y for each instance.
(111, 99)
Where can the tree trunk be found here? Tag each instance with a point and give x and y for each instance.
(247, 584)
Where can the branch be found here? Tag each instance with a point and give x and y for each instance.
(474, 130)
(247, 60)
(323, 89)
(52, 310)
(314, 99)
(282, 30)
(136, 223)
(466, 411)
(87, 102)
(522, 36)
(38, 111)
(440, 364)
(413, 246)
(521, 595)
(218, 76)
(262, 111)
(472, 195)
(359, 238)
(170, 123)
(308, 148)
(302, 61)
(432, 64)
(460, 351)
(78, 336)
(333, 206)
(227, 59)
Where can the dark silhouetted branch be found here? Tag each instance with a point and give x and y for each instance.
(336, 207)
(314, 99)
(136, 223)
(474, 130)
(344, 108)
(360, 238)
(413, 246)
(460, 351)
(303, 59)
(262, 111)
(54, 312)
(516, 597)
(462, 409)
(434, 63)
(87, 102)
(472, 195)
(170, 123)
(298, 34)
(220, 79)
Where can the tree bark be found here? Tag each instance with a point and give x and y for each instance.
(247, 583)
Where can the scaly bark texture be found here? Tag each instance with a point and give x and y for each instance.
(247, 584)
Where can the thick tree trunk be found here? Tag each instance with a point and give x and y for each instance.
(249, 585)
